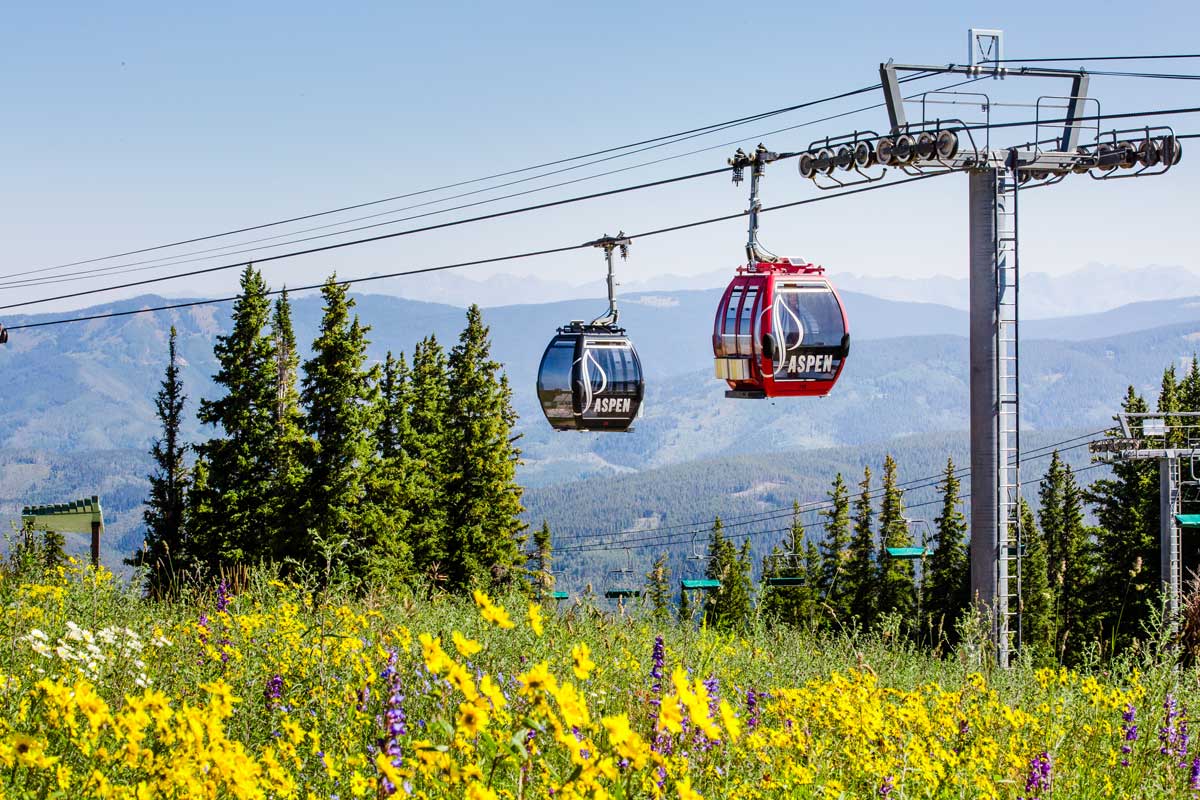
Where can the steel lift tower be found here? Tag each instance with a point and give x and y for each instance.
(934, 145)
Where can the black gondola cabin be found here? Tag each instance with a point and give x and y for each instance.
(590, 379)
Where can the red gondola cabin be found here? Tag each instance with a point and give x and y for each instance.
(780, 331)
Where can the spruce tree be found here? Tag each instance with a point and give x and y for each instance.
(228, 507)
(395, 427)
(946, 589)
(1169, 406)
(425, 444)
(1037, 611)
(485, 499)
(1067, 547)
(862, 579)
(164, 553)
(543, 566)
(658, 589)
(348, 528)
(792, 605)
(1189, 388)
(291, 447)
(832, 579)
(728, 606)
(897, 580)
(1127, 508)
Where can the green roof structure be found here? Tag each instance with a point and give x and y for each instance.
(78, 516)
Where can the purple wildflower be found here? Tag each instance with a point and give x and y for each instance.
(1168, 734)
(1038, 780)
(1130, 731)
(273, 691)
(885, 788)
(396, 725)
(656, 669)
(751, 709)
(222, 597)
(1194, 784)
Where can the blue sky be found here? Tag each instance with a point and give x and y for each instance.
(131, 124)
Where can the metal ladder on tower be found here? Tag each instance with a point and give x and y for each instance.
(1008, 419)
(1173, 560)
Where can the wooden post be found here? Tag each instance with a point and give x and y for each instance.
(96, 544)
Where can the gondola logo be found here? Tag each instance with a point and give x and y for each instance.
(791, 360)
(589, 366)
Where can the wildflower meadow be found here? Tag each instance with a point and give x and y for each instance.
(280, 691)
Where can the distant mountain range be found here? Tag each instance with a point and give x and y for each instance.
(78, 416)
(1097, 287)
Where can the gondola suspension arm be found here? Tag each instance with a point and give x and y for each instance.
(608, 244)
(757, 162)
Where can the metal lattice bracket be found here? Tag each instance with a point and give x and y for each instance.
(985, 45)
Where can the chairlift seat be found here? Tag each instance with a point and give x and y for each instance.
(906, 553)
(616, 594)
(706, 584)
(786, 580)
(1188, 520)
(559, 595)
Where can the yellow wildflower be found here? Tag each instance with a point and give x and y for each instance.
(730, 720)
(686, 792)
(581, 660)
(471, 719)
(537, 680)
(491, 612)
(465, 647)
(535, 618)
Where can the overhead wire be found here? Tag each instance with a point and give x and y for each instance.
(525, 209)
(665, 140)
(656, 535)
(765, 514)
(424, 270)
(158, 263)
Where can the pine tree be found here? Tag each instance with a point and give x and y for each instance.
(728, 606)
(543, 563)
(349, 529)
(687, 614)
(862, 579)
(1126, 506)
(897, 581)
(291, 448)
(658, 589)
(164, 553)
(1037, 611)
(485, 498)
(1169, 406)
(946, 588)
(1068, 553)
(835, 543)
(427, 447)
(791, 605)
(227, 509)
(1189, 389)
(395, 427)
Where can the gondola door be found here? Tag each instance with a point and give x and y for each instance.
(803, 336)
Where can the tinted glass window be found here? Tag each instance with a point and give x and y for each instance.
(555, 375)
(809, 317)
(613, 368)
